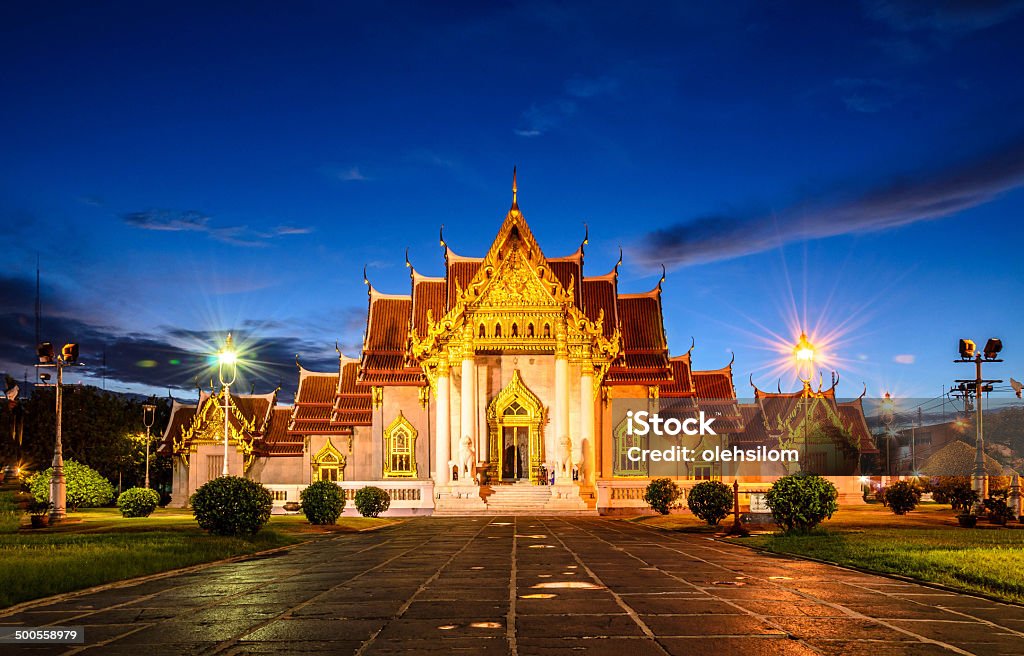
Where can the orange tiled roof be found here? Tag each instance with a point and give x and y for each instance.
(181, 416)
(644, 358)
(278, 440)
(387, 337)
(427, 294)
(314, 403)
(600, 294)
(352, 405)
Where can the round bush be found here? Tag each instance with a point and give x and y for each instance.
(372, 501)
(902, 497)
(799, 502)
(138, 502)
(661, 494)
(86, 487)
(322, 502)
(231, 505)
(711, 501)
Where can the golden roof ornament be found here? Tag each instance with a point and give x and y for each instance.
(515, 190)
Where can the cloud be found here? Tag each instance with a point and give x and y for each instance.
(352, 174)
(903, 358)
(898, 201)
(168, 356)
(541, 117)
(867, 96)
(193, 221)
(581, 87)
(942, 16)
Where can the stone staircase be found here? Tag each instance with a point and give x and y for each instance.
(518, 498)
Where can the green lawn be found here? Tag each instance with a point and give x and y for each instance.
(98, 546)
(926, 544)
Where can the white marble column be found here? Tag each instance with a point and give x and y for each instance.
(561, 423)
(588, 445)
(444, 424)
(468, 401)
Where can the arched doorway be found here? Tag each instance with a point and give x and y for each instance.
(514, 420)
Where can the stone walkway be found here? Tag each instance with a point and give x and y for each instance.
(528, 585)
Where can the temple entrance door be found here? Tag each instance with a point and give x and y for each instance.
(515, 442)
(514, 420)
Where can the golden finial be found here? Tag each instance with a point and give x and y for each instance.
(515, 190)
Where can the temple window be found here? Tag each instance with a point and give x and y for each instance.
(529, 330)
(547, 331)
(400, 449)
(328, 464)
(497, 330)
(515, 330)
(622, 465)
(483, 330)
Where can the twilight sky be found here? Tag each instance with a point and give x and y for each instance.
(182, 169)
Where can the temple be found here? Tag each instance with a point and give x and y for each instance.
(490, 389)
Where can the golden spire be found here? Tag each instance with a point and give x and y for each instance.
(515, 190)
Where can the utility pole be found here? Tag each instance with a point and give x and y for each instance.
(969, 354)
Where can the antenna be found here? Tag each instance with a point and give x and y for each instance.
(38, 304)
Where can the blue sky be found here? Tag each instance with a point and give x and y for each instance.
(183, 169)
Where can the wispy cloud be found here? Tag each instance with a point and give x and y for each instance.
(867, 95)
(541, 117)
(897, 201)
(193, 221)
(945, 16)
(904, 358)
(352, 174)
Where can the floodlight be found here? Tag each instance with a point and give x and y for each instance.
(45, 377)
(967, 348)
(69, 353)
(992, 348)
(45, 353)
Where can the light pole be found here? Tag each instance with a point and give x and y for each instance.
(48, 359)
(887, 418)
(968, 353)
(227, 369)
(148, 417)
(804, 353)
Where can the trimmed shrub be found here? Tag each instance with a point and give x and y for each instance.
(711, 501)
(231, 505)
(661, 494)
(372, 501)
(902, 497)
(322, 502)
(956, 491)
(138, 502)
(86, 487)
(799, 502)
(998, 509)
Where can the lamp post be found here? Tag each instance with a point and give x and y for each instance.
(148, 417)
(48, 359)
(804, 353)
(969, 354)
(887, 418)
(227, 369)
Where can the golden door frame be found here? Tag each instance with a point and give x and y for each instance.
(533, 419)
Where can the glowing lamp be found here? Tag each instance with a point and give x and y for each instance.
(804, 350)
(45, 353)
(992, 348)
(69, 353)
(967, 348)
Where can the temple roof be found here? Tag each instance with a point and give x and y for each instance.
(644, 358)
(386, 343)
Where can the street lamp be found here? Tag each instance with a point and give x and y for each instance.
(148, 417)
(969, 354)
(49, 359)
(804, 353)
(227, 370)
(887, 418)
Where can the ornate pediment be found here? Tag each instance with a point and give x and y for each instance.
(516, 283)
